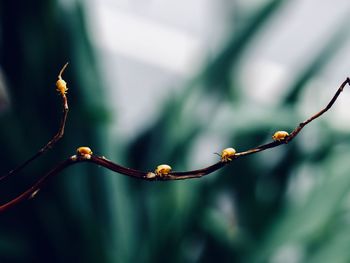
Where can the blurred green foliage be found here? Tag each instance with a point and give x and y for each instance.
(289, 204)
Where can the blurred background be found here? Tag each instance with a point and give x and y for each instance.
(173, 82)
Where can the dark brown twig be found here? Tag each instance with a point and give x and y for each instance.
(54, 139)
(34, 189)
(87, 156)
(295, 132)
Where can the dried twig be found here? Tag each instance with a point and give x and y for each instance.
(62, 89)
(163, 172)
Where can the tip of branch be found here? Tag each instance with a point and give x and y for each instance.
(62, 70)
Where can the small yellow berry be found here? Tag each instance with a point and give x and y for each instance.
(227, 154)
(61, 86)
(84, 152)
(162, 170)
(280, 136)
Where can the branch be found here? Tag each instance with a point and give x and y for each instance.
(62, 89)
(295, 132)
(33, 190)
(163, 172)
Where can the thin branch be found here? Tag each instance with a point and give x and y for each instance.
(295, 132)
(55, 138)
(84, 154)
(33, 190)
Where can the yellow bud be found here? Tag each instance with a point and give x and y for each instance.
(280, 136)
(227, 154)
(162, 170)
(84, 152)
(61, 86)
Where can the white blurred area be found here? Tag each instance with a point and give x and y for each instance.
(149, 49)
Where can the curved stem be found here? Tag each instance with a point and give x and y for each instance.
(33, 190)
(151, 176)
(54, 139)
